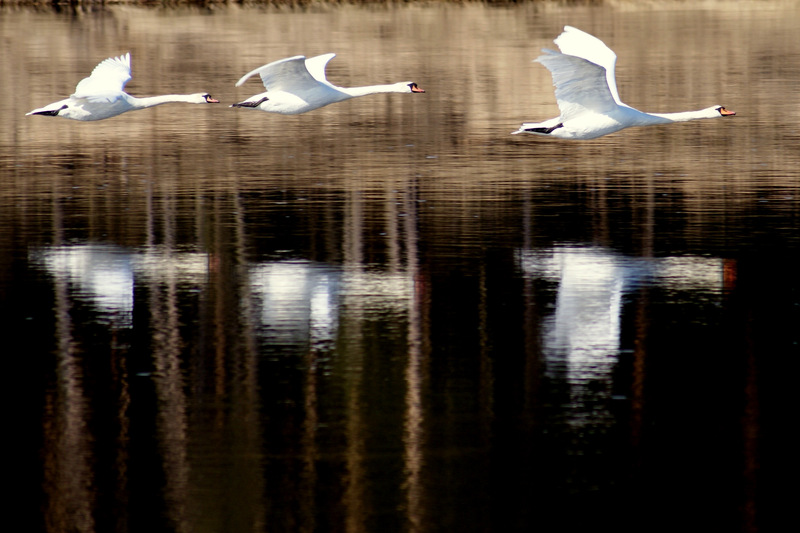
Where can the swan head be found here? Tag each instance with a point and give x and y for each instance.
(410, 87)
(720, 111)
(203, 98)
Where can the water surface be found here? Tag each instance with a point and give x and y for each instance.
(390, 314)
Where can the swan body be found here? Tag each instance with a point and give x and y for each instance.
(586, 92)
(296, 85)
(101, 95)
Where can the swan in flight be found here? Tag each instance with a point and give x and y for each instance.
(586, 92)
(295, 85)
(101, 96)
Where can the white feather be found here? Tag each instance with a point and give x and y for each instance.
(101, 95)
(297, 85)
(586, 93)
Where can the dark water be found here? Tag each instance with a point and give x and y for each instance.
(390, 314)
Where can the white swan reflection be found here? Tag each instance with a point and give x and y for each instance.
(295, 301)
(102, 274)
(581, 337)
(105, 274)
(300, 301)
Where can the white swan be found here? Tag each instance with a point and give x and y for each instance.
(101, 96)
(586, 92)
(296, 85)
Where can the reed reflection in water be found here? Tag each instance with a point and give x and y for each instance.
(391, 315)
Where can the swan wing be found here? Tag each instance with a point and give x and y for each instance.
(289, 75)
(106, 80)
(580, 85)
(316, 67)
(575, 42)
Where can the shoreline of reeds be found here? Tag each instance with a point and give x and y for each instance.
(89, 4)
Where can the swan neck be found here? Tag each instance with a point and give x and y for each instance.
(150, 101)
(369, 89)
(683, 116)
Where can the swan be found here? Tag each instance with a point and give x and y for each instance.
(101, 96)
(296, 85)
(586, 92)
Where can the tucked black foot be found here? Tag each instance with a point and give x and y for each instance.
(250, 104)
(545, 130)
(51, 113)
